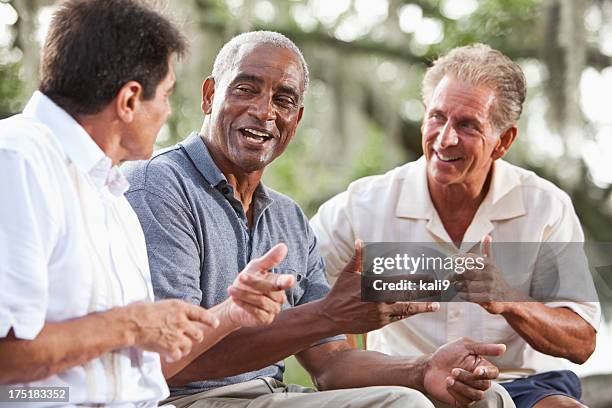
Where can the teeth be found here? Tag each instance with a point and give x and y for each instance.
(446, 158)
(257, 132)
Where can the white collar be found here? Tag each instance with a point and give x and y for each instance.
(504, 200)
(77, 143)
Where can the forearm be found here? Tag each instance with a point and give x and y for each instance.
(557, 332)
(352, 368)
(249, 349)
(60, 346)
(211, 337)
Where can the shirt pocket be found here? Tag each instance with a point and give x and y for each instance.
(294, 293)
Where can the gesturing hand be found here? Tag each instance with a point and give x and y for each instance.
(168, 327)
(457, 374)
(485, 286)
(257, 294)
(343, 304)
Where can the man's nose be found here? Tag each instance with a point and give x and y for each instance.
(447, 137)
(263, 109)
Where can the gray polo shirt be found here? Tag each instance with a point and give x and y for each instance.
(198, 239)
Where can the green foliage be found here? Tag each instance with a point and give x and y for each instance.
(11, 89)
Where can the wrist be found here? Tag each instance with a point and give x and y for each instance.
(419, 370)
(222, 311)
(326, 321)
(122, 319)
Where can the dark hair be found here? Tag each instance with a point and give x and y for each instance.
(94, 47)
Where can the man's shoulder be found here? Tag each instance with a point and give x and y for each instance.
(25, 135)
(283, 202)
(31, 140)
(382, 183)
(537, 188)
(164, 171)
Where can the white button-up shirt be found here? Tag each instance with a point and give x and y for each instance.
(396, 207)
(71, 245)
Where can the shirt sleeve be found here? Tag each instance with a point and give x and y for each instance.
(571, 285)
(335, 234)
(174, 253)
(27, 235)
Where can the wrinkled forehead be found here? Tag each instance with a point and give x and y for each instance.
(279, 63)
(452, 94)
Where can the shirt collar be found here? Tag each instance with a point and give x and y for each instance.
(200, 156)
(503, 201)
(78, 145)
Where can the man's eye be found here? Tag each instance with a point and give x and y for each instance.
(467, 126)
(244, 89)
(285, 101)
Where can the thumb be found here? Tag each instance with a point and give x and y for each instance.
(487, 349)
(268, 260)
(355, 265)
(485, 246)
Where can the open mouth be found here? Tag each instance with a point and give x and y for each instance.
(447, 159)
(256, 136)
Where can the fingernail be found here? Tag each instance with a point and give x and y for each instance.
(450, 382)
(434, 307)
(285, 280)
(455, 372)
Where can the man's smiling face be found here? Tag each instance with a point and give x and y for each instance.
(458, 136)
(256, 106)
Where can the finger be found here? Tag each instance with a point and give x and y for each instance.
(194, 330)
(460, 399)
(471, 379)
(485, 247)
(257, 300)
(486, 349)
(486, 371)
(184, 345)
(264, 283)
(472, 287)
(269, 260)
(355, 264)
(172, 355)
(475, 274)
(199, 314)
(262, 317)
(467, 393)
(406, 309)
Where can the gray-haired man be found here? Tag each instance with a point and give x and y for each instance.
(459, 193)
(205, 212)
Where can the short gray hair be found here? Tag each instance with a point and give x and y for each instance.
(479, 64)
(226, 58)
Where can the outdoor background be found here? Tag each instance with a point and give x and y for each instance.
(363, 109)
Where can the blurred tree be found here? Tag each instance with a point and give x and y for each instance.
(367, 59)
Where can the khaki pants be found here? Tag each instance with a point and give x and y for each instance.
(270, 393)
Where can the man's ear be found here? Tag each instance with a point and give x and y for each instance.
(127, 100)
(208, 93)
(505, 141)
(300, 113)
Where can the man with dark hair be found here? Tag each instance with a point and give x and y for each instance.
(83, 65)
(76, 309)
(205, 213)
